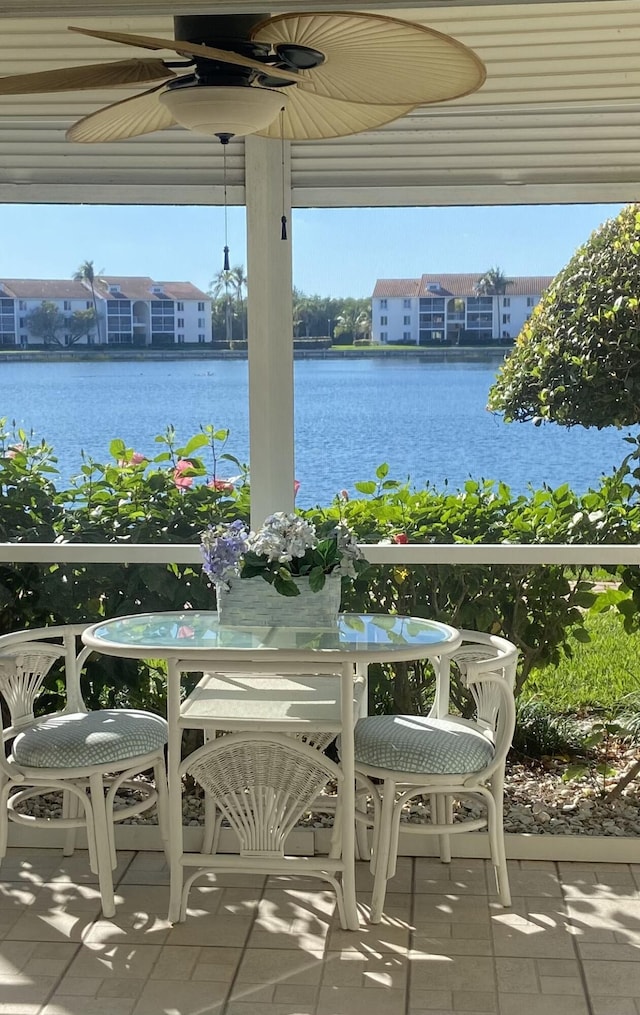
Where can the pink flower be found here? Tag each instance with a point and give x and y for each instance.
(185, 631)
(14, 450)
(401, 537)
(182, 482)
(344, 494)
(136, 459)
(223, 485)
(296, 487)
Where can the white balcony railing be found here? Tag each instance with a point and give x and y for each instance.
(417, 553)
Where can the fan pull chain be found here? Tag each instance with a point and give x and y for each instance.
(283, 220)
(225, 266)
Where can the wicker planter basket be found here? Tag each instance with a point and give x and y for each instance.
(253, 602)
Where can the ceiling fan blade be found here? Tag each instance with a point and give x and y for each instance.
(370, 58)
(96, 75)
(187, 49)
(309, 117)
(132, 117)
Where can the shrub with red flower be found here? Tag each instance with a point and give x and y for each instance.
(182, 481)
(222, 485)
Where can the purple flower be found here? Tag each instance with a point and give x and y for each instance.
(222, 549)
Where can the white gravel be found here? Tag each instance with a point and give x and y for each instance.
(537, 801)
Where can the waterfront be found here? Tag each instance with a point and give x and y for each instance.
(427, 420)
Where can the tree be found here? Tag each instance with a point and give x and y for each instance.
(577, 359)
(45, 322)
(240, 283)
(303, 312)
(494, 283)
(222, 285)
(354, 320)
(80, 324)
(86, 273)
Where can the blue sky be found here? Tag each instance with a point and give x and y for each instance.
(336, 252)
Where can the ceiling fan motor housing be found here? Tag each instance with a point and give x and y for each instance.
(224, 31)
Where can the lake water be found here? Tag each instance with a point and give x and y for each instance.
(426, 420)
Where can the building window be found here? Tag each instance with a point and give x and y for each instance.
(383, 304)
(180, 306)
(22, 305)
(88, 305)
(383, 336)
(406, 304)
(384, 320)
(180, 339)
(406, 335)
(22, 322)
(531, 301)
(506, 301)
(506, 318)
(201, 339)
(201, 322)
(7, 322)
(114, 288)
(67, 306)
(407, 319)
(180, 321)
(201, 305)
(162, 319)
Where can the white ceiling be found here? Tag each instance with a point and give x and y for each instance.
(558, 119)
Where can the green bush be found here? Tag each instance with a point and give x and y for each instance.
(172, 497)
(577, 359)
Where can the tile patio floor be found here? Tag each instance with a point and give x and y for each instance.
(570, 944)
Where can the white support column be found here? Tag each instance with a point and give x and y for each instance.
(270, 331)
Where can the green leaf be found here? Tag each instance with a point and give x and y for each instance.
(200, 440)
(367, 487)
(574, 772)
(582, 635)
(117, 449)
(316, 579)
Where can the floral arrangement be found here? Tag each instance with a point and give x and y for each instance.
(285, 547)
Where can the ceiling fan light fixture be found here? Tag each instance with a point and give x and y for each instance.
(231, 110)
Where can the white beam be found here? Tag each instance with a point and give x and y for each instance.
(270, 328)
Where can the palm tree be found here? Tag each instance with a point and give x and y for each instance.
(303, 311)
(494, 282)
(222, 284)
(240, 282)
(363, 325)
(86, 273)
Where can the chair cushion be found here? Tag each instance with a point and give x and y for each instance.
(81, 739)
(409, 743)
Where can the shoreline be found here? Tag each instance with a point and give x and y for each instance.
(448, 354)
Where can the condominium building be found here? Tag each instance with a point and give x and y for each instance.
(134, 311)
(449, 309)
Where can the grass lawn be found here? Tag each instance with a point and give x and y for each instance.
(601, 672)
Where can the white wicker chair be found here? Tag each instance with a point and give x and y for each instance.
(444, 757)
(85, 756)
(262, 783)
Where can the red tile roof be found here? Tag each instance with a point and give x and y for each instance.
(457, 285)
(396, 287)
(131, 288)
(44, 289)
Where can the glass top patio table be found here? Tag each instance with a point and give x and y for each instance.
(370, 637)
(194, 639)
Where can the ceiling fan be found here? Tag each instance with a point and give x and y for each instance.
(292, 76)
